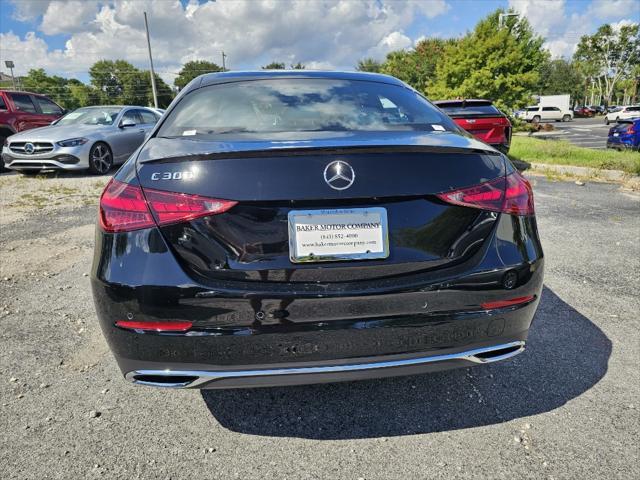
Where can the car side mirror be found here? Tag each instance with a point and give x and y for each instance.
(127, 122)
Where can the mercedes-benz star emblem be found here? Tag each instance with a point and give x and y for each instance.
(339, 175)
(29, 148)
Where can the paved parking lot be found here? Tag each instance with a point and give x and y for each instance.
(583, 132)
(566, 408)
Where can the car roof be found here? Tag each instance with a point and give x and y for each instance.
(23, 92)
(114, 106)
(236, 76)
(463, 100)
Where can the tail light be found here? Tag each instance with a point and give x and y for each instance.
(125, 207)
(511, 194)
(506, 303)
(631, 130)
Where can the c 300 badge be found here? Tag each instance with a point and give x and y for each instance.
(185, 175)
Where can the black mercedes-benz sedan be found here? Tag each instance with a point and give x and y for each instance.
(283, 228)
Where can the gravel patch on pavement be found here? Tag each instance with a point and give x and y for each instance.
(566, 408)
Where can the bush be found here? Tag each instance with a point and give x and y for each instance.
(522, 126)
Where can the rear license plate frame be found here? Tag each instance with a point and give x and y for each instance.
(376, 214)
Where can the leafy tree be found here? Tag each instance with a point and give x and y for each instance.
(498, 63)
(369, 65)
(109, 78)
(81, 95)
(297, 66)
(274, 66)
(192, 69)
(561, 76)
(54, 87)
(417, 67)
(165, 94)
(119, 82)
(611, 53)
(67, 92)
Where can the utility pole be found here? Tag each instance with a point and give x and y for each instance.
(9, 64)
(224, 66)
(153, 75)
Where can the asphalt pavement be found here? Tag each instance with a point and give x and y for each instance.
(583, 132)
(568, 407)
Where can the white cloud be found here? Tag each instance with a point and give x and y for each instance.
(562, 30)
(432, 8)
(25, 11)
(625, 22)
(331, 33)
(545, 16)
(68, 17)
(391, 42)
(319, 66)
(606, 9)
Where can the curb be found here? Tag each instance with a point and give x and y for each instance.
(541, 134)
(615, 176)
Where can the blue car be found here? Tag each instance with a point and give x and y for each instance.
(625, 135)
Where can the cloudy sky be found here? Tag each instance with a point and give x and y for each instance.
(66, 37)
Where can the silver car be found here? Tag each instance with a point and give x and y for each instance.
(93, 138)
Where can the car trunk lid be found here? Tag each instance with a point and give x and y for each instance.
(251, 241)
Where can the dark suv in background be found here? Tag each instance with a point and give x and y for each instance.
(482, 119)
(24, 110)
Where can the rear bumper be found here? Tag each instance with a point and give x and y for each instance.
(248, 334)
(623, 145)
(380, 367)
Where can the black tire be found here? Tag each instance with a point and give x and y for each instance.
(536, 119)
(606, 121)
(566, 118)
(100, 158)
(30, 172)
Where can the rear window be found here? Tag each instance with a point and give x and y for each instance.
(296, 105)
(469, 108)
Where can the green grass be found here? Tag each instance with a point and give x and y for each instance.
(560, 152)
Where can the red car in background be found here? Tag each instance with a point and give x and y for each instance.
(480, 118)
(21, 111)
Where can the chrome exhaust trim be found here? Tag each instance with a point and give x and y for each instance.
(195, 378)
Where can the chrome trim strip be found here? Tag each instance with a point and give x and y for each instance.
(205, 376)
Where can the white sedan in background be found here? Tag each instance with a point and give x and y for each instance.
(89, 138)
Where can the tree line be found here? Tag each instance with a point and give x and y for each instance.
(507, 63)
(504, 61)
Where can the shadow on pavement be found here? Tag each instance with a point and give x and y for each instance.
(566, 355)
